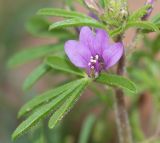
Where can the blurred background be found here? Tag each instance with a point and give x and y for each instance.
(92, 118)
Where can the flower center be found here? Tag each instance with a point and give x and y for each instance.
(96, 65)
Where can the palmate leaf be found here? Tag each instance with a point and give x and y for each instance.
(46, 97)
(76, 22)
(118, 81)
(63, 64)
(66, 106)
(33, 53)
(137, 15)
(145, 25)
(60, 13)
(35, 75)
(38, 26)
(43, 110)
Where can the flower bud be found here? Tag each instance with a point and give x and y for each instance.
(118, 9)
(93, 5)
(149, 10)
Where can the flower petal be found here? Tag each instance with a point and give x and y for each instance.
(101, 41)
(78, 54)
(112, 54)
(87, 37)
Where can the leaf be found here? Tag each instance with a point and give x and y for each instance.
(116, 32)
(33, 53)
(156, 19)
(76, 22)
(38, 26)
(137, 15)
(63, 65)
(42, 111)
(66, 106)
(46, 97)
(60, 13)
(144, 78)
(118, 81)
(104, 3)
(87, 129)
(35, 75)
(142, 25)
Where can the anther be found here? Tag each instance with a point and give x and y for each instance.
(93, 61)
(92, 67)
(97, 57)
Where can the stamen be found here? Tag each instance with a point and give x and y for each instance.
(93, 61)
(95, 65)
(96, 57)
(89, 64)
(92, 67)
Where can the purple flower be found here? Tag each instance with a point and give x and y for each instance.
(93, 51)
(149, 10)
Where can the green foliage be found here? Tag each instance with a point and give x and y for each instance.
(116, 32)
(153, 46)
(136, 128)
(87, 129)
(59, 101)
(118, 81)
(35, 76)
(38, 26)
(66, 106)
(156, 20)
(46, 97)
(75, 18)
(77, 22)
(45, 109)
(142, 25)
(63, 64)
(144, 79)
(33, 53)
(137, 15)
(60, 13)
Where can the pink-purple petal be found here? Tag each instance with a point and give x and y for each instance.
(78, 53)
(112, 54)
(100, 41)
(86, 37)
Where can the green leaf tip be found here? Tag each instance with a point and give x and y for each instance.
(117, 81)
(44, 109)
(60, 13)
(46, 97)
(66, 106)
(33, 53)
(76, 22)
(35, 76)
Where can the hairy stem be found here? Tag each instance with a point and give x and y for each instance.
(124, 131)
